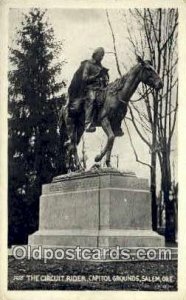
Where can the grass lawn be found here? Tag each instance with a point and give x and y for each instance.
(140, 275)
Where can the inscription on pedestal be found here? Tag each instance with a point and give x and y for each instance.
(95, 182)
(71, 185)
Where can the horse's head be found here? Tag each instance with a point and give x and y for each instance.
(148, 74)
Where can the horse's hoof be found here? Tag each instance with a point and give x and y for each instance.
(95, 166)
(97, 158)
(108, 164)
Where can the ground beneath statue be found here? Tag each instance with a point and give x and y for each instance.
(83, 275)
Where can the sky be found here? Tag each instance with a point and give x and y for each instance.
(83, 30)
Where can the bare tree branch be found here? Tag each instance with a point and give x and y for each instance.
(148, 91)
(133, 148)
(152, 23)
(148, 106)
(175, 115)
(137, 129)
(170, 36)
(114, 44)
(170, 88)
(142, 117)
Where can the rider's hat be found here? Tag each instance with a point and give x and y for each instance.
(98, 50)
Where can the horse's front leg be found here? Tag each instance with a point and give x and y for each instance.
(108, 153)
(108, 147)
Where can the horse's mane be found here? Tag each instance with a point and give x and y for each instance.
(115, 86)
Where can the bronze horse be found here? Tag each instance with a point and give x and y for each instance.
(112, 111)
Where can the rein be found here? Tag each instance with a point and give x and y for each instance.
(126, 102)
(142, 97)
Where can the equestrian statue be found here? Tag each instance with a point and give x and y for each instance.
(92, 101)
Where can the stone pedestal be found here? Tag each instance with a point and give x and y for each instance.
(103, 208)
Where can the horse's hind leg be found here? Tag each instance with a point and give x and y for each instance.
(108, 147)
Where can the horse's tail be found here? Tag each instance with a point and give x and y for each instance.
(63, 113)
(61, 120)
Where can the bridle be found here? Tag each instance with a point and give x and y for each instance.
(146, 93)
(126, 102)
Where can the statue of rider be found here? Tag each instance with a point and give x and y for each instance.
(87, 84)
(95, 78)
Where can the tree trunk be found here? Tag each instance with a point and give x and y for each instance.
(153, 191)
(170, 220)
(169, 203)
(153, 162)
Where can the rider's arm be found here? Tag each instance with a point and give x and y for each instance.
(86, 77)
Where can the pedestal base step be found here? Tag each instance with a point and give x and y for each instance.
(97, 238)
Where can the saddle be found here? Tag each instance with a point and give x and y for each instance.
(76, 106)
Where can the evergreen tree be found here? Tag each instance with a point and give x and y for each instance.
(34, 142)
